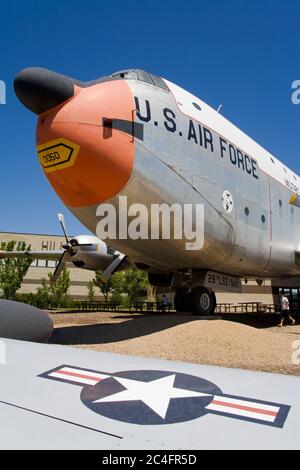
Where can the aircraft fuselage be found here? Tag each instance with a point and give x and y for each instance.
(153, 142)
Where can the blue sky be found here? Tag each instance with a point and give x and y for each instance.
(243, 54)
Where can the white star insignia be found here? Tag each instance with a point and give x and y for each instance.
(156, 394)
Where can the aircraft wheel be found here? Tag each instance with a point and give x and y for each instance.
(182, 301)
(203, 302)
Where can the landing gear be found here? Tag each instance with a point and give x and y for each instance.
(203, 302)
(199, 301)
(182, 301)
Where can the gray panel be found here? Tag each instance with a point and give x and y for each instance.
(53, 405)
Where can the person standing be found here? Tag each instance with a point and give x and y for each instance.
(285, 310)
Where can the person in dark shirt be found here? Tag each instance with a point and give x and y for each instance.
(165, 302)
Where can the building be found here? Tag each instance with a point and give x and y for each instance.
(39, 269)
(251, 292)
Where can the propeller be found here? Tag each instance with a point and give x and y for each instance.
(108, 272)
(63, 226)
(65, 257)
(69, 250)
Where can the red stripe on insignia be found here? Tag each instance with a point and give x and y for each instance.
(80, 376)
(245, 408)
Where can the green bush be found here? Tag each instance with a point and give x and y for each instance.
(26, 298)
(125, 302)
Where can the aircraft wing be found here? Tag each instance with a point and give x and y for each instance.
(53, 255)
(79, 399)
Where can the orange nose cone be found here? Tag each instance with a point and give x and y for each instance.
(85, 161)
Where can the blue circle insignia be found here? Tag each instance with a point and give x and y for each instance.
(150, 397)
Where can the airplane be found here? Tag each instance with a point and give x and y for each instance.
(136, 135)
(83, 251)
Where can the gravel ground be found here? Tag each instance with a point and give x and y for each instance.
(252, 342)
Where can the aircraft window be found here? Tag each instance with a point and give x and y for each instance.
(246, 211)
(295, 178)
(144, 77)
(159, 82)
(285, 170)
(280, 203)
(272, 160)
(263, 219)
(196, 105)
(126, 74)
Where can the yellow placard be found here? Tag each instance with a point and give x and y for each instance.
(57, 154)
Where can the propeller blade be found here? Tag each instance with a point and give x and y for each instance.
(108, 272)
(63, 226)
(131, 263)
(60, 267)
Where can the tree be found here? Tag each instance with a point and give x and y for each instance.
(134, 282)
(42, 298)
(151, 292)
(129, 282)
(13, 270)
(53, 295)
(91, 291)
(105, 287)
(59, 289)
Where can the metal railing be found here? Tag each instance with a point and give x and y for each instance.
(97, 306)
(112, 306)
(247, 307)
(150, 307)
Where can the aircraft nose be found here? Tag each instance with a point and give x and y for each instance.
(41, 90)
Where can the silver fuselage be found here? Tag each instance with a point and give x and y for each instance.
(183, 159)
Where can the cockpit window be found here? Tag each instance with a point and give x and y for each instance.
(159, 82)
(142, 76)
(125, 74)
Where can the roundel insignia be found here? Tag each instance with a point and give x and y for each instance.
(156, 397)
(227, 201)
(150, 397)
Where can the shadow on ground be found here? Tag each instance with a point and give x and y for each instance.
(133, 326)
(129, 326)
(257, 320)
